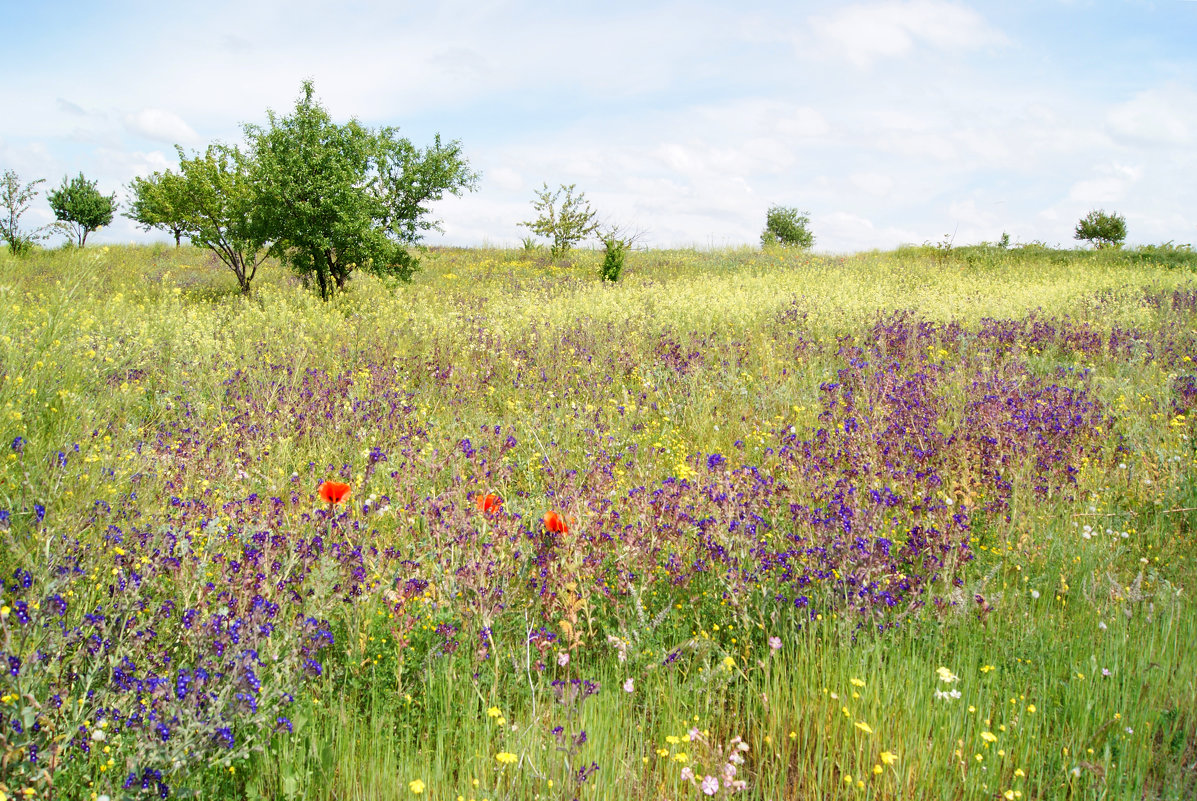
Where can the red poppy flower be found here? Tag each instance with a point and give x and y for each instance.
(489, 503)
(555, 523)
(334, 491)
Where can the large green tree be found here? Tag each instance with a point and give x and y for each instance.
(214, 204)
(81, 206)
(335, 198)
(159, 202)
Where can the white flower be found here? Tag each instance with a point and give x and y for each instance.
(1035, 594)
(1101, 624)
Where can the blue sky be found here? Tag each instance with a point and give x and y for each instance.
(895, 121)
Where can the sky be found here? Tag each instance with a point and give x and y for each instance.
(890, 121)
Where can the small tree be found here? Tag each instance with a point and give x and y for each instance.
(566, 225)
(158, 202)
(81, 206)
(15, 200)
(1102, 229)
(787, 227)
(334, 198)
(213, 200)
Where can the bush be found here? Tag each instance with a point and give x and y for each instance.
(787, 227)
(1102, 229)
(615, 251)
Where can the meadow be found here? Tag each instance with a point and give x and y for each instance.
(770, 525)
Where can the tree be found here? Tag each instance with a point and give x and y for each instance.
(335, 198)
(213, 199)
(1102, 229)
(787, 227)
(15, 200)
(157, 202)
(81, 206)
(566, 225)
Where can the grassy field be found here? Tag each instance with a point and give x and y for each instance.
(916, 524)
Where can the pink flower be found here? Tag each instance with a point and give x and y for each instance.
(710, 785)
(563, 658)
(687, 774)
(629, 686)
(775, 643)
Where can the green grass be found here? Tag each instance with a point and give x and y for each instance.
(140, 355)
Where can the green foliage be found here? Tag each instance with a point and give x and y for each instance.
(212, 202)
(158, 202)
(615, 251)
(333, 198)
(787, 227)
(1102, 229)
(81, 206)
(616, 244)
(1168, 254)
(15, 200)
(566, 224)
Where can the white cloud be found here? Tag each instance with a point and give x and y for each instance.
(161, 126)
(865, 33)
(1159, 116)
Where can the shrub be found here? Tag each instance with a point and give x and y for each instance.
(1102, 229)
(787, 227)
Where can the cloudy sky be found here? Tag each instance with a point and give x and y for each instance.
(895, 121)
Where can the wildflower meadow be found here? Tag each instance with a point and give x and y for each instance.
(751, 524)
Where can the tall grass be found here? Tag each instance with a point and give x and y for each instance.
(797, 487)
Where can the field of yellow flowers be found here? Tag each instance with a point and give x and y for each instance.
(916, 524)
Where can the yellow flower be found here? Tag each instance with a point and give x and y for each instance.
(1019, 772)
(673, 739)
(989, 737)
(857, 682)
(860, 724)
(877, 769)
(946, 676)
(987, 668)
(506, 757)
(493, 712)
(681, 757)
(729, 662)
(416, 786)
(889, 757)
(1031, 708)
